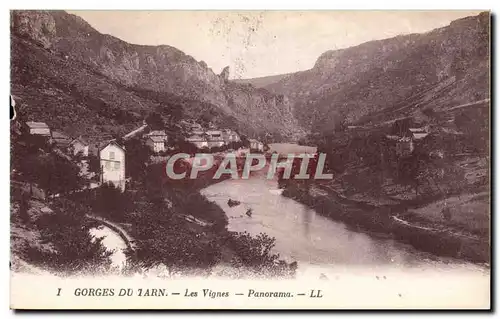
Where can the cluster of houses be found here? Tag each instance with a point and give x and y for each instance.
(210, 138)
(406, 136)
(201, 138)
(71, 146)
(213, 137)
(111, 154)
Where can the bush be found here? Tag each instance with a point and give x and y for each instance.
(173, 246)
(52, 173)
(255, 254)
(108, 201)
(75, 250)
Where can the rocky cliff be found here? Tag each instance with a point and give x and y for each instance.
(163, 69)
(389, 74)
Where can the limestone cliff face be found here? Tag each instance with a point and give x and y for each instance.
(157, 68)
(225, 73)
(355, 82)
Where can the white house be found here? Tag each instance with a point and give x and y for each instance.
(256, 145)
(37, 128)
(419, 133)
(60, 140)
(112, 159)
(198, 131)
(214, 138)
(198, 141)
(230, 136)
(157, 141)
(79, 145)
(157, 144)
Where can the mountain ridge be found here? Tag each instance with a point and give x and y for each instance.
(162, 69)
(351, 83)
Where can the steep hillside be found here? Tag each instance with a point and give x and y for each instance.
(71, 96)
(69, 40)
(445, 67)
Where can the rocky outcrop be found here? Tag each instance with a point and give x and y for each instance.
(225, 74)
(156, 68)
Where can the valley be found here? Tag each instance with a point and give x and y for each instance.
(404, 123)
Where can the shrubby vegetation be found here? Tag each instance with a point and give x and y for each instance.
(156, 211)
(75, 250)
(254, 253)
(50, 172)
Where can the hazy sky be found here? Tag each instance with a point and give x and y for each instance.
(255, 43)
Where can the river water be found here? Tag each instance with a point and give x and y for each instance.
(314, 241)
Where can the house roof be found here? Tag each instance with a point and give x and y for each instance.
(214, 138)
(60, 136)
(419, 136)
(417, 130)
(196, 138)
(157, 133)
(114, 142)
(157, 139)
(392, 137)
(81, 140)
(213, 132)
(231, 133)
(37, 125)
(198, 132)
(99, 146)
(60, 139)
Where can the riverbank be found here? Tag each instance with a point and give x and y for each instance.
(391, 221)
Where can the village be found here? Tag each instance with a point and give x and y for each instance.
(111, 153)
(118, 187)
(103, 161)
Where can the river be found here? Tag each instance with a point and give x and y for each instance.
(314, 241)
(318, 244)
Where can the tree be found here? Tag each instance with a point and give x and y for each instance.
(52, 173)
(245, 141)
(110, 202)
(175, 113)
(186, 147)
(94, 164)
(255, 251)
(155, 121)
(179, 250)
(137, 156)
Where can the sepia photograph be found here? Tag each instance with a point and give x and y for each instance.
(250, 159)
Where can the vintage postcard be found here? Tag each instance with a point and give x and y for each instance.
(250, 159)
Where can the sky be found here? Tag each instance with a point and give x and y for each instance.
(263, 43)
